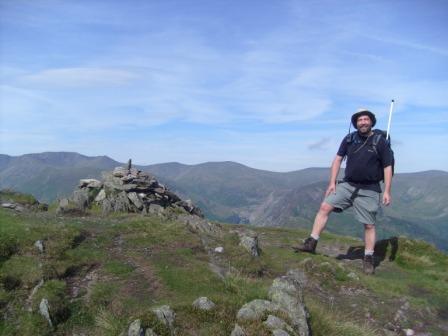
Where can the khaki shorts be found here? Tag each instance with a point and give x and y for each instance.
(365, 204)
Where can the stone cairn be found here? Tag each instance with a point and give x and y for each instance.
(127, 189)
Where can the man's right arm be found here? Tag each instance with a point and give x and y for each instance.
(335, 166)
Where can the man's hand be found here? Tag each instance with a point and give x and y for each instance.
(331, 189)
(387, 198)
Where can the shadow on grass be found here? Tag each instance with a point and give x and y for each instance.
(386, 248)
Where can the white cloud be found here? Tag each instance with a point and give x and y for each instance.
(79, 77)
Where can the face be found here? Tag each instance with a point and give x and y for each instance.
(364, 124)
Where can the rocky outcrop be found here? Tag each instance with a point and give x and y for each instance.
(127, 190)
(286, 294)
(167, 316)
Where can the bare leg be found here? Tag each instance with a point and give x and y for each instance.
(369, 236)
(321, 218)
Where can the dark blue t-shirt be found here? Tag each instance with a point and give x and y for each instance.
(365, 168)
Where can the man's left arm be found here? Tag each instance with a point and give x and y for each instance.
(387, 198)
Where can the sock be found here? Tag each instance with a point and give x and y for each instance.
(316, 237)
(368, 252)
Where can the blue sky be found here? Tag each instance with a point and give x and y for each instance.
(270, 84)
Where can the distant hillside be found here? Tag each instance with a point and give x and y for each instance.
(50, 175)
(232, 192)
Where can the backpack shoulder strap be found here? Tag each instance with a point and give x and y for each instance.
(349, 138)
(378, 134)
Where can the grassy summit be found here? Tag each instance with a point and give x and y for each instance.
(101, 273)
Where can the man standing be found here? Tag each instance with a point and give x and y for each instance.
(369, 161)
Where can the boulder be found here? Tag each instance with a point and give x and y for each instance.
(155, 209)
(135, 199)
(287, 293)
(89, 183)
(9, 205)
(250, 243)
(63, 205)
(135, 328)
(237, 331)
(121, 203)
(120, 172)
(39, 244)
(150, 332)
(100, 196)
(44, 310)
(274, 323)
(167, 316)
(81, 199)
(255, 309)
(204, 303)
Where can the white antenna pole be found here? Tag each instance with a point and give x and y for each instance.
(390, 118)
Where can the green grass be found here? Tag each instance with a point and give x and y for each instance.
(326, 321)
(144, 262)
(16, 197)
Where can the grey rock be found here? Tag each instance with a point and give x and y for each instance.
(167, 316)
(81, 199)
(121, 203)
(44, 310)
(135, 200)
(150, 332)
(237, 331)
(63, 202)
(63, 205)
(112, 182)
(246, 314)
(39, 244)
(120, 172)
(89, 183)
(100, 196)
(19, 208)
(273, 323)
(353, 276)
(135, 328)
(155, 208)
(279, 332)
(255, 309)
(129, 187)
(219, 249)
(9, 205)
(204, 303)
(200, 225)
(107, 206)
(250, 243)
(287, 293)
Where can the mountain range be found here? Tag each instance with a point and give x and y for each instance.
(234, 193)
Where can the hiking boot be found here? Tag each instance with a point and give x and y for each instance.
(368, 265)
(308, 245)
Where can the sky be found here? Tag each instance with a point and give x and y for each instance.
(269, 84)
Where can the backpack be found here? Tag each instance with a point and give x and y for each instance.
(377, 135)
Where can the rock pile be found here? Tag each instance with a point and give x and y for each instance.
(126, 190)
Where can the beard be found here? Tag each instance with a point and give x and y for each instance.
(364, 130)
